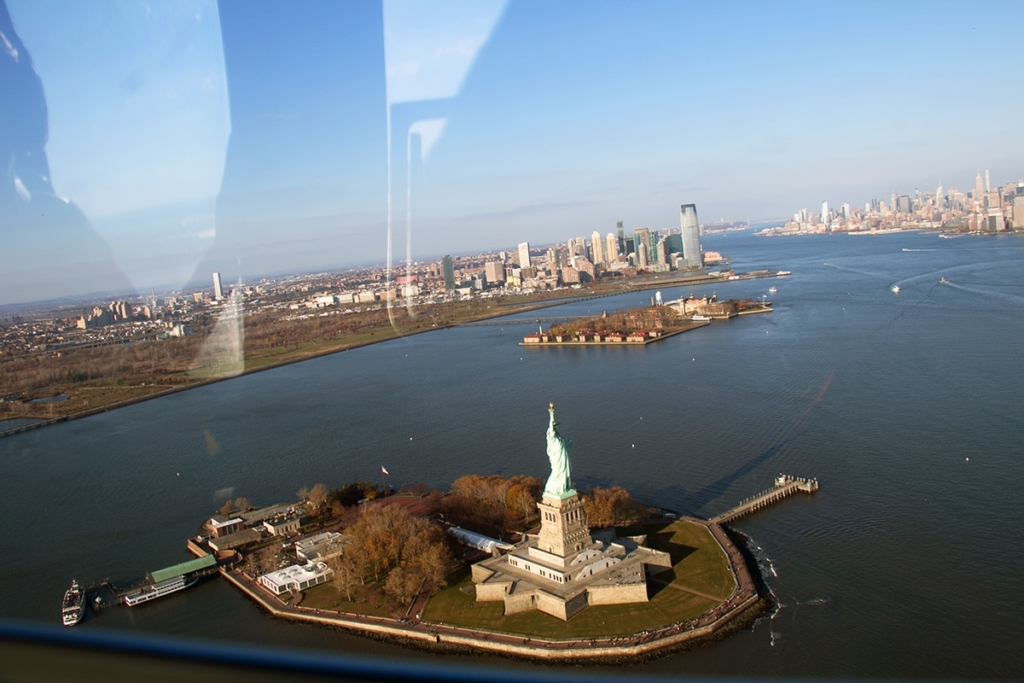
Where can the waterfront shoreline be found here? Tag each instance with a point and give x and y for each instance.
(749, 600)
(527, 308)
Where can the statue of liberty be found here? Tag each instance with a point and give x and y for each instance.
(560, 482)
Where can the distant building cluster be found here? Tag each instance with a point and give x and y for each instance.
(983, 209)
(578, 261)
(619, 253)
(115, 312)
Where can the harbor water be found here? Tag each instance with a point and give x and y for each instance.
(905, 406)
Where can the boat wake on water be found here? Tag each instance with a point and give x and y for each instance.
(815, 602)
(981, 292)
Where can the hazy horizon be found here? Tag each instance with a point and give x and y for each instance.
(196, 137)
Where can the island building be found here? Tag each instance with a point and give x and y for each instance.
(296, 578)
(564, 569)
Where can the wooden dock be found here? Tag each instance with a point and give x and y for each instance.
(785, 485)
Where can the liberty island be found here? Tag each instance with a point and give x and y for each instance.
(560, 591)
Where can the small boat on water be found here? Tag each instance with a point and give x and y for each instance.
(773, 289)
(895, 289)
(73, 607)
(943, 281)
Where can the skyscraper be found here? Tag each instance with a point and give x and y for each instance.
(449, 273)
(218, 291)
(494, 271)
(649, 240)
(621, 237)
(597, 248)
(611, 247)
(524, 255)
(693, 257)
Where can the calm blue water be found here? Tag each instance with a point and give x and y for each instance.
(907, 408)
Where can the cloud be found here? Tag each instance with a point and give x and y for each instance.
(404, 69)
(430, 47)
(465, 49)
(527, 210)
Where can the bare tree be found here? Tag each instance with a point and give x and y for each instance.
(346, 572)
(318, 495)
(270, 558)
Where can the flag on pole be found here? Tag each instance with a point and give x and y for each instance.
(383, 470)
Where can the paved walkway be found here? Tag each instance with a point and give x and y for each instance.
(713, 598)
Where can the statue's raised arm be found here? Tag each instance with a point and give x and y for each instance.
(560, 481)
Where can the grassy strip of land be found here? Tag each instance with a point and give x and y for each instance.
(99, 379)
(698, 564)
(368, 602)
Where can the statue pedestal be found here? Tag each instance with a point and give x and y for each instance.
(563, 525)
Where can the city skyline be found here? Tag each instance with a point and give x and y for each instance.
(185, 163)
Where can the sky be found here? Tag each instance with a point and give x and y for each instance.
(268, 137)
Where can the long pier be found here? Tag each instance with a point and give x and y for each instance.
(785, 485)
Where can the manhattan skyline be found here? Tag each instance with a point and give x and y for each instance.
(191, 149)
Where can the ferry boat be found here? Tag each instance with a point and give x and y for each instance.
(701, 318)
(158, 590)
(73, 608)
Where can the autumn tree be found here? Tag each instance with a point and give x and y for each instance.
(318, 495)
(492, 500)
(521, 499)
(479, 499)
(410, 551)
(611, 506)
(347, 572)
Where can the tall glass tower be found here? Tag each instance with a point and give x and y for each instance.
(692, 255)
(449, 273)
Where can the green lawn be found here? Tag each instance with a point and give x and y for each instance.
(698, 564)
(367, 601)
(697, 560)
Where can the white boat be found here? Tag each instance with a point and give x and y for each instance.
(73, 608)
(773, 289)
(158, 590)
(701, 318)
(784, 273)
(895, 289)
